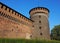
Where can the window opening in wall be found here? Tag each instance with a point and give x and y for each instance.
(33, 26)
(39, 27)
(40, 33)
(30, 35)
(12, 29)
(17, 26)
(39, 21)
(39, 16)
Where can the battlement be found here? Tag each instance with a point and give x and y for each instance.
(39, 10)
(14, 14)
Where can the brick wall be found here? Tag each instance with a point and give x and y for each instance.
(13, 24)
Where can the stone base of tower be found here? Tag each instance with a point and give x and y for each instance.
(41, 25)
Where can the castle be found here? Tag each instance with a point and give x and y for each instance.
(15, 25)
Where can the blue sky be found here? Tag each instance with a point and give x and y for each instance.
(24, 6)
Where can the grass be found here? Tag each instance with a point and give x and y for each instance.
(27, 41)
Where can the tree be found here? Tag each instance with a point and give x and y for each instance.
(55, 33)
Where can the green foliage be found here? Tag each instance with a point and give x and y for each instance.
(55, 33)
(27, 41)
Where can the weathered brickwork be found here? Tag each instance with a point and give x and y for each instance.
(41, 25)
(12, 29)
(15, 25)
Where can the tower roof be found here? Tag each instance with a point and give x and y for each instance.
(37, 8)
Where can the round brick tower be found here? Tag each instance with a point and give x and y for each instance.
(39, 15)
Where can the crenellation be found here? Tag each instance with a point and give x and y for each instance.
(4, 7)
(7, 9)
(0, 5)
(42, 8)
(21, 16)
(40, 24)
(17, 14)
(14, 17)
(15, 25)
(39, 10)
(12, 12)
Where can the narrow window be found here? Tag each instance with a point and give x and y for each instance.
(40, 33)
(33, 26)
(17, 27)
(39, 21)
(30, 35)
(39, 27)
(39, 16)
(12, 29)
